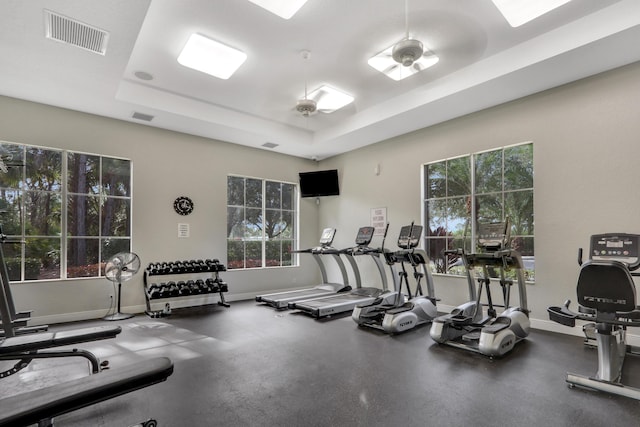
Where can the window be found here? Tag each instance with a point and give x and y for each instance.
(490, 186)
(71, 210)
(261, 222)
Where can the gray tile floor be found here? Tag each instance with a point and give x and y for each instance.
(249, 365)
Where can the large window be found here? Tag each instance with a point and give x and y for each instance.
(461, 192)
(65, 213)
(261, 222)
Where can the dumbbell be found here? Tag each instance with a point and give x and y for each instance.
(165, 268)
(222, 285)
(201, 286)
(183, 289)
(212, 285)
(200, 266)
(164, 290)
(172, 289)
(210, 265)
(153, 291)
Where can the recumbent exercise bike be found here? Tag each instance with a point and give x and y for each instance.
(606, 297)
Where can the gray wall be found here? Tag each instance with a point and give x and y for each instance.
(586, 142)
(165, 165)
(585, 137)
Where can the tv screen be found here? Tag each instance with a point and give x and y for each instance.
(319, 183)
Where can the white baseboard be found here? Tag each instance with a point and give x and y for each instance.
(178, 302)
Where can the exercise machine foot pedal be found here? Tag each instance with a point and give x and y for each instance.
(471, 336)
(148, 423)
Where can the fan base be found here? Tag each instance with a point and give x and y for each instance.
(118, 316)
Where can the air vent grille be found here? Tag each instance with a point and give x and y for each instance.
(269, 145)
(76, 33)
(142, 116)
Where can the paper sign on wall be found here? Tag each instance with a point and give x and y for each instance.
(183, 230)
(379, 220)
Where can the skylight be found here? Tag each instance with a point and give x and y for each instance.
(385, 63)
(518, 12)
(211, 57)
(283, 8)
(330, 99)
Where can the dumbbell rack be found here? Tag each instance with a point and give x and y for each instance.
(183, 288)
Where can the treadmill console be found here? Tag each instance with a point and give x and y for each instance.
(327, 236)
(409, 236)
(365, 234)
(621, 247)
(494, 236)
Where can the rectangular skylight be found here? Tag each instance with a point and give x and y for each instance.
(283, 8)
(385, 63)
(209, 56)
(518, 12)
(329, 99)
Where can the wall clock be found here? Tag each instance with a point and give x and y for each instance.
(183, 205)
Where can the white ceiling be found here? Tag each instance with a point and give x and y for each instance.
(483, 62)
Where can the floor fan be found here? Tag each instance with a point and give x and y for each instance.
(120, 268)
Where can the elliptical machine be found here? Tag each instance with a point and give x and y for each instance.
(467, 327)
(399, 315)
(606, 296)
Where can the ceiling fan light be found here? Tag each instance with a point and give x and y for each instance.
(330, 99)
(406, 51)
(387, 65)
(306, 107)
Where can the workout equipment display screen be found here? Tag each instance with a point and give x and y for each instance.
(365, 234)
(327, 236)
(409, 236)
(620, 247)
(319, 183)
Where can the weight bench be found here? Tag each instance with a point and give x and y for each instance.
(25, 348)
(42, 405)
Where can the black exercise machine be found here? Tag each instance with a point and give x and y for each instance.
(24, 347)
(13, 322)
(606, 296)
(42, 405)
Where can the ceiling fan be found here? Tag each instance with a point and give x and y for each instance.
(404, 58)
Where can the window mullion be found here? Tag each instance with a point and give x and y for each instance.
(264, 216)
(472, 215)
(64, 212)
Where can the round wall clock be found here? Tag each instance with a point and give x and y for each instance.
(183, 205)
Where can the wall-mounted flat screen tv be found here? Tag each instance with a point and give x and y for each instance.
(319, 183)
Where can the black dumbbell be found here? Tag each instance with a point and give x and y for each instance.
(213, 286)
(183, 289)
(164, 290)
(172, 289)
(222, 286)
(202, 286)
(153, 291)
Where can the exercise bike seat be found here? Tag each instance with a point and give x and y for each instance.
(42, 340)
(49, 402)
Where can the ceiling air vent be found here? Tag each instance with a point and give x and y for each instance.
(269, 145)
(76, 33)
(142, 116)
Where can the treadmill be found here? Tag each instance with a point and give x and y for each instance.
(280, 300)
(345, 302)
